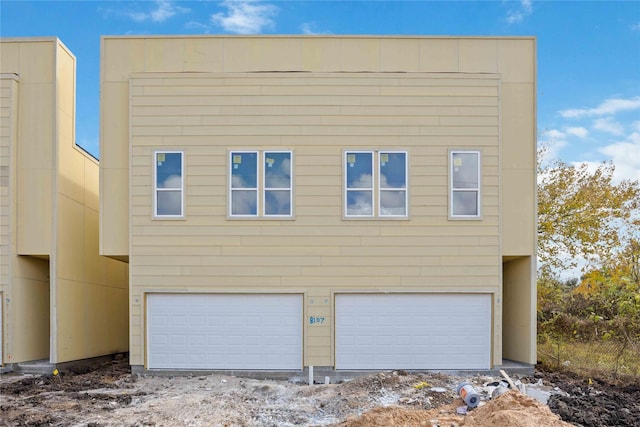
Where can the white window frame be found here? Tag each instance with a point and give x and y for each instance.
(232, 190)
(476, 189)
(405, 189)
(260, 189)
(347, 190)
(265, 188)
(375, 188)
(156, 189)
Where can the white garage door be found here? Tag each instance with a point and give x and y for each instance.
(224, 331)
(413, 331)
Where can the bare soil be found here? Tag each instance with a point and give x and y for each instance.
(595, 402)
(109, 395)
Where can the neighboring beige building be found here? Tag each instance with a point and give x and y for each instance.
(345, 202)
(59, 300)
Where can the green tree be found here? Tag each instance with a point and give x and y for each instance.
(613, 293)
(583, 213)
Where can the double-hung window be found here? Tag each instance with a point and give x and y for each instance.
(260, 184)
(375, 184)
(169, 184)
(464, 175)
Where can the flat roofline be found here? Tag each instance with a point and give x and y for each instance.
(38, 39)
(316, 36)
(35, 39)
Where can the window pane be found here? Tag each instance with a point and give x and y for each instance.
(169, 170)
(277, 202)
(465, 203)
(277, 170)
(244, 170)
(465, 170)
(169, 202)
(359, 170)
(393, 203)
(244, 202)
(360, 203)
(393, 170)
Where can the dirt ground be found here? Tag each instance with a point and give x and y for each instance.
(109, 395)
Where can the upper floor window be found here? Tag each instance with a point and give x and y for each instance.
(464, 198)
(260, 184)
(382, 193)
(169, 184)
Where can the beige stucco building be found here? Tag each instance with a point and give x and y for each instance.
(344, 202)
(59, 300)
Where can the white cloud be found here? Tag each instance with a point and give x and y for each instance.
(359, 202)
(514, 17)
(364, 181)
(279, 177)
(244, 202)
(310, 28)
(172, 181)
(393, 203)
(170, 202)
(278, 202)
(194, 25)
(306, 28)
(517, 15)
(635, 27)
(591, 166)
(555, 134)
(580, 132)
(607, 107)
(163, 10)
(237, 181)
(625, 156)
(559, 137)
(245, 16)
(553, 141)
(609, 125)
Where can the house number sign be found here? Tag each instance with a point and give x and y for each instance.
(316, 320)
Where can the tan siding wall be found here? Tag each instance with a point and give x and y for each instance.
(519, 304)
(513, 59)
(28, 327)
(69, 303)
(318, 115)
(518, 169)
(27, 290)
(8, 122)
(91, 291)
(33, 61)
(8, 106)
(318, 253)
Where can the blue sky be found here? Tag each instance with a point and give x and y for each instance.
(588, 52)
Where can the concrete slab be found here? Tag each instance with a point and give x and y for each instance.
(44, 367)
(321, 372)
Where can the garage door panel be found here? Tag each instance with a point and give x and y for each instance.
(224, 331)
(413, 331)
